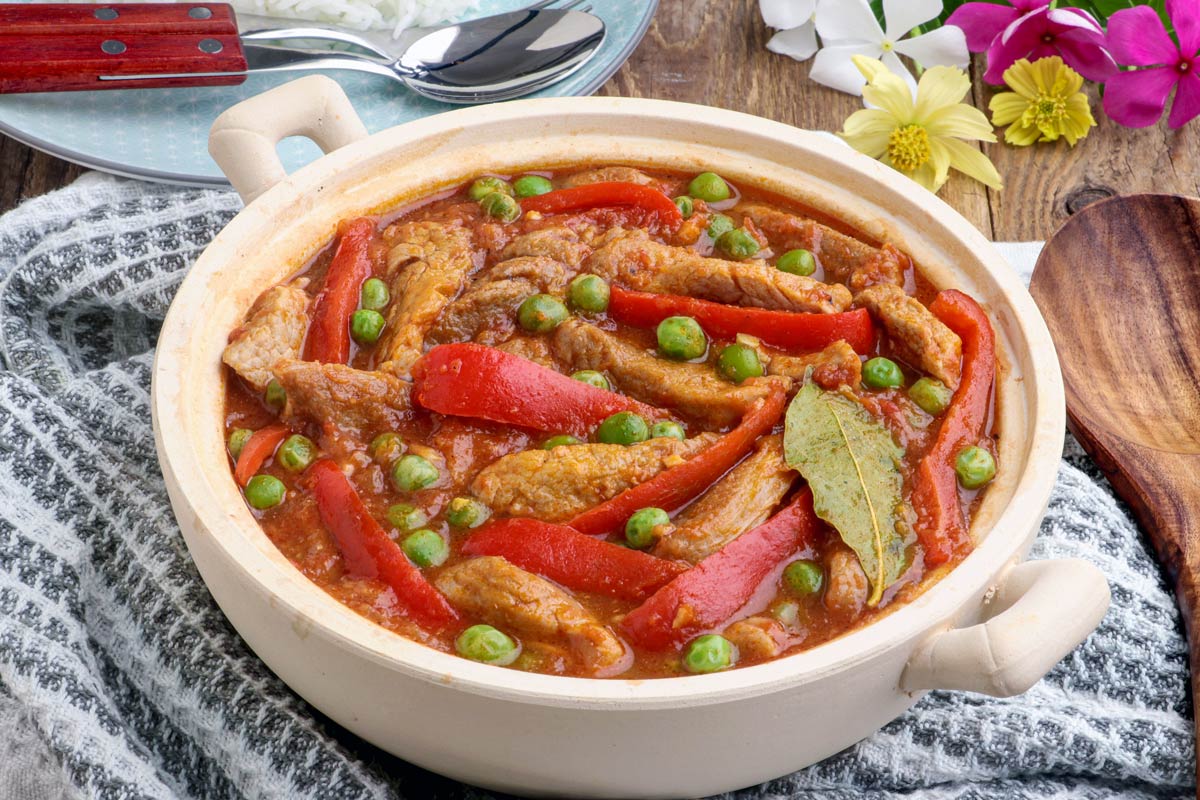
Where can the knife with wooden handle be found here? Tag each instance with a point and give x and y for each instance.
(71, 47)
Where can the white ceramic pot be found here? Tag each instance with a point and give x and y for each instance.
(992, 625)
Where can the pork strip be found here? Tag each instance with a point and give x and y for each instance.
(836, 365)
(693, 390)
(607, 175)
(352, 400)
(844, 258)
(559, 243)
(741, 500)
(428, 264)
(757, 638)
(533, 348)
(274, 331)
(921, 338)
(557, 485)
(637, 262)
(528, 605)
(486, 312)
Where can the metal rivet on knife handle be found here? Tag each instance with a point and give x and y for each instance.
(211, 46)
(200, 12)
(113, 47)
(105, 13)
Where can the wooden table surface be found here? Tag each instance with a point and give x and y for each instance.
(714, 52)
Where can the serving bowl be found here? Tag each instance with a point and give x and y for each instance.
(991, 625)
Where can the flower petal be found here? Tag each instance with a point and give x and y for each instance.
(1137, 38)
(901, 16)
(1085, 56)
(946, 46)
(1185, 17)
(897, 68)
(1187, 101)
(833, 67)
(982, 22)
(868, 131)
(1007, 107)
(1065, 19)
(971, 162)
(960, 121)
(887, 91)
(939, 159)
(1022, 135)
(1136, 99)
(787, 14)
(926, 175)
(799, 43)
(940, 87)
(1016, 42)
(847, 20)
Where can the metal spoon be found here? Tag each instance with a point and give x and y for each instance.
(478, 61)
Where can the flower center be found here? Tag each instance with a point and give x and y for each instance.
(1049, 109)
(888, 45)
(1048, 38)
(908, 147)
(1184, 66)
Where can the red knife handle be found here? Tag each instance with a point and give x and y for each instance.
(58, 47)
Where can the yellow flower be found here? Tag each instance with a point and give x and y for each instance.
(1045, 103)
(925, 137)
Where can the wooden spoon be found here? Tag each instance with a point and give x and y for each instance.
(1119, 285)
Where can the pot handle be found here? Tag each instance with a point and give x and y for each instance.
(243, 139)
(1042, 611)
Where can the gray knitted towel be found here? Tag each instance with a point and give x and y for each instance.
(120, 679)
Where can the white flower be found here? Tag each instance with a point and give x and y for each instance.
(848, 28)
(793, 19)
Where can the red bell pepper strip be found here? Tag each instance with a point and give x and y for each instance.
(707, 595)
(941, 525)
(471, 380)
(603, 195)
(369, 553)
(788, 330)
(673, 487)
(329, 330)
(578, 562)
(257, 449)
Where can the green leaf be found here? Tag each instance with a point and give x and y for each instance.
(852, 465)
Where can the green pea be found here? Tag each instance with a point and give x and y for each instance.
(237, 440)
(975, 467)
(531, 186)
(709, 653)
(387, 447)
(296, 453)
(685, 205)
(589, 293)
(425, 548)
(709, 187)
(591, 378)
(681, 338)
(276, 395)
(931, 395)
(413, 472)
(366, 325)
(718, 225)
(466, 512)
(797, 262)
(643, 527)
(787, 612)
(406, 517)
(501, 206)
(541, 313)
(882, 373)
(265, 491)
(738, 243)
(624, 427)
(482, 187)
(667, 430)
(738, 362)
(559, 441)
(803, 577)
(488, 645)
(374, 295)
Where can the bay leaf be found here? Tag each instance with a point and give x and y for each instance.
(852, 465)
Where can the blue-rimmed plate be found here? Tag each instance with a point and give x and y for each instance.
(162, 134)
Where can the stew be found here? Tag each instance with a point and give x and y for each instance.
(612, 422)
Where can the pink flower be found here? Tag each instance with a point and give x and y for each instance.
(1136, 98)
(983, 22)
(1069, 33)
